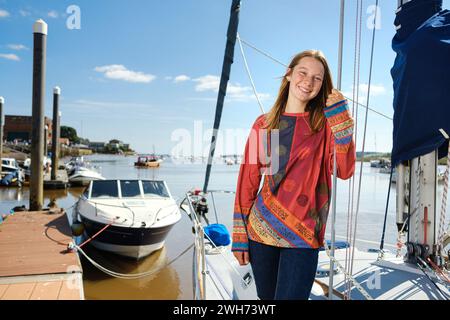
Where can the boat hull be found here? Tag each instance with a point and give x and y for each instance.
(126, 241)
(153, 164)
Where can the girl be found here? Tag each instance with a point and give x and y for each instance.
(280, 229)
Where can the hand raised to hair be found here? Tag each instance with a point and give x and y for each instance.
(334, 97)
(339, 120)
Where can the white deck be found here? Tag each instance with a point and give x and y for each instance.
(390, 279)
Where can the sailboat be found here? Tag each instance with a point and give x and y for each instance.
(421, 272)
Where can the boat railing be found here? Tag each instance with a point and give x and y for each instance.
(199, 261)
(124, 206)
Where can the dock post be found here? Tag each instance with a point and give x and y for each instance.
(55, 132)
(2, 101)
(37, 136)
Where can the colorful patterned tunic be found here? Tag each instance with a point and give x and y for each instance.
(291, 209)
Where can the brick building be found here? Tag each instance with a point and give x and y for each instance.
(19, 128)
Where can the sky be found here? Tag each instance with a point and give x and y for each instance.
(147, 72)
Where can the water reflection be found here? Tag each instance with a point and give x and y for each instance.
(162, 283)
(175, 281)
(11, 194)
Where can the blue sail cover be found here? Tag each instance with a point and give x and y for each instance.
(421, 75)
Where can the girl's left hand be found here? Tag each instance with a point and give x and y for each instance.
(334, 97)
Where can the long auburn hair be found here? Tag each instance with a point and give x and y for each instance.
(315, 106)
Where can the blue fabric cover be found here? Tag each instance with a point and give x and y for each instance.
(218, 234)
(421, 76)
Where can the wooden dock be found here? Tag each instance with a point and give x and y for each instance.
(35, 264)
(61, 182)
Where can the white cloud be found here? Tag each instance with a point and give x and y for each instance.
(4, 13)
(53, 14)
(108, 104)
(119, 72)
(181, 78)
(24, 13)
(9, 56)
(207, 83)
(235, 91)
(17, 47)
(375, 90)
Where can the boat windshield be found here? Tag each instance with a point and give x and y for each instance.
(130, 188)
(104, 189)
(154, 188)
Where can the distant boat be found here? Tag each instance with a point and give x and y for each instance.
(140, 214)
(80, 172)
(379, 163)
(148, 161)
(80, 175)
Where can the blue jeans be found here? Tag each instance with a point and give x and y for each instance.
(283, 273)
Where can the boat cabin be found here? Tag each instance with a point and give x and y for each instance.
(138, 189)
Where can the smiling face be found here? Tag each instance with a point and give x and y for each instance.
(305, 80)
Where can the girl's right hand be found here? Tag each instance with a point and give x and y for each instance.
(242, 257)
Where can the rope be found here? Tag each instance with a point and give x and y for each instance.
(249, 74)
(133, 276)
(386, 213)
(425, 266)
(95, 235)
(438, 270)
(444, 200)
(416, 209)
(400, 237)
(349, 276)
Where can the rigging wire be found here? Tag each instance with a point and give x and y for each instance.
(334, 183)
(364, 135)
(285, 65)
(249, 74)
(356, 71)
(386, 213)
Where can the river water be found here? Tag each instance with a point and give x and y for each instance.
(175, 280)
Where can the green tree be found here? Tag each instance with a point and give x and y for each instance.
(69, 133)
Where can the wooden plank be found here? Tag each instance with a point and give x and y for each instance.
(19, 291)
(69, 291)
(46, 290)
(34, 243)
(3, 288)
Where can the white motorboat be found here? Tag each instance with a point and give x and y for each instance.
(74, 162)
(137, 214)
(9, 165)
(82, 175)
(11, 174)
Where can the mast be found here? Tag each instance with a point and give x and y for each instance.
(226, 68)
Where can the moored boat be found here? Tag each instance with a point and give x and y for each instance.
(83, 175)
(137, 215)
(148, 161)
